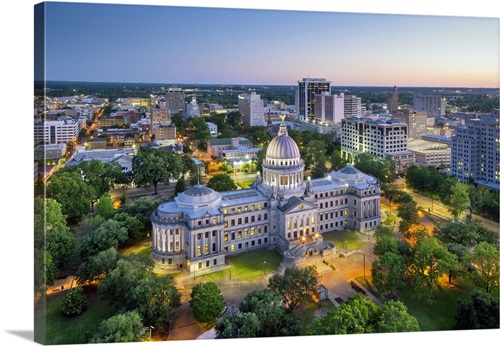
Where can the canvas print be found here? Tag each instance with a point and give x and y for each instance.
(215, 173)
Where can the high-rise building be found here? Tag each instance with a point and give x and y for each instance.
(160, 115)
(434, 105)
(175, 100)
(475, 152)
(376, 137)
(192, 109)
(392, 102)
(416, 121)
(251, 108)
(329, 108)
(308, 88)
(352, 106)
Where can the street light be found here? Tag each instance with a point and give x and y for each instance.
(264, 267)
(150, 331)
(345, 246)
(303, 240)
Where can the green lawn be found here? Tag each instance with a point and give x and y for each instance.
(439, 315)
(339, 237)
(61, 330)
(436, 316)
(389, 220)
(248, 265)
(245, 184)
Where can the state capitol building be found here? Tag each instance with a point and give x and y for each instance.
(281, 210)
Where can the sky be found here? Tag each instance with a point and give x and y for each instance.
(17, 71)
(169, 44)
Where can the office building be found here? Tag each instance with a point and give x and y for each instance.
(434, 105)
(174, 99)
(56, 131)
(329, 108)
(200, 227)
(308, 88)
(352, 106)
(475, 152)
(251, 108)
(416, 121)
(381, 138)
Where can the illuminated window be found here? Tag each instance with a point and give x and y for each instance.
(252, 231)
(232, 247)
(226, 236)
(206, 248)
(239, 234)
(198, 250)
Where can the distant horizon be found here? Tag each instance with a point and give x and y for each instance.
(261, 84)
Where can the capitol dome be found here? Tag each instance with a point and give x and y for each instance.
(198, 196)
(351, 175)
(282, 168)
(282, 151)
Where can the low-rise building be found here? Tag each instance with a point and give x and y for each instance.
(216, 147)
(121, 156)
(50, 151)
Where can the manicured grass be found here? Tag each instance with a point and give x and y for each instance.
(389, 220)
(435, 316)
(339, 237)
(245, 184)
(439, 315)
(61, 330)
(248, 266)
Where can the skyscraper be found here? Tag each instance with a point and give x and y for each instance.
(309, 87)
(251, 108)
(475, 152)
(329, 108)
(392, 102)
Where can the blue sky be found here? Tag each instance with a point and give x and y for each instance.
(131, 43)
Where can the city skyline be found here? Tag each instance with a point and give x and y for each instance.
(188, 45)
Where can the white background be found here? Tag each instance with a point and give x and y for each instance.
(16, 298)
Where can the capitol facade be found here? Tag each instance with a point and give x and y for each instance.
(281, 210)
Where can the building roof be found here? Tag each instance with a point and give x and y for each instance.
(198, 196)
(283, 146)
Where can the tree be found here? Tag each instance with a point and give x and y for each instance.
(430, 261)
(383, 169)
(155, 300)
(134, 226)
(119, 285)
(487, 266)
(180, 186)
(74, 302)
(239, 325)
(388, 272)
(295, 286)
(152, 166)
(100, 175)
(142, 208)
(394, 318)
(74, 195)
(481, 311)
(109, 235)
(353, 317)
(206, 302)
(408, 212)
(459, 199)
(221, 182)
(274, 318)
(337, 161)
(52, 239)
(126, 327)
(104, 207)
(385, 241)
(96, 267)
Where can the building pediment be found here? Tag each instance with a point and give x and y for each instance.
(296, 204)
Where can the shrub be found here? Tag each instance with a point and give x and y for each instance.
(74, 303)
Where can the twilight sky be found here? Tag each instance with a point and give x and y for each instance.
(161, 44)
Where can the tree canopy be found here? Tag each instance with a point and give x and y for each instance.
(481, 311)
(221, 182)
(295, 285)
(126, 327)
(206, 302)
(152, 166)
